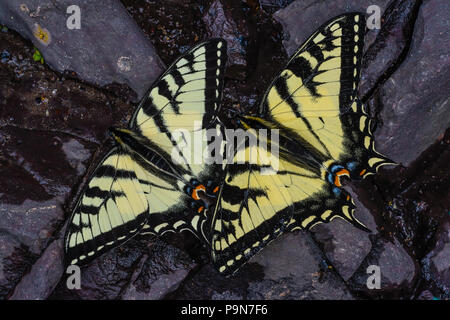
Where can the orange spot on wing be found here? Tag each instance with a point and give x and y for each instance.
(200, 209)
(362, 172)
(195, 192)
(337, 182)
(343, 172)
(337, 179)
(216, 189)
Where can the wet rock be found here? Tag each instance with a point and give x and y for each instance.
(220, 23)
(301, 18)
(344, 245)
(436, 264)
(118, 50)
(15, 261)
(390, 46)
(271, 6)
(161, 272)
(138, 270)
(417, 93)
(38, 169)
(171, 28)
(292, 270)
(426, 295)
(396, 265)
(227, 295)
(397, 269)
(416, 198)
(206, 283)
(43, 277)
(32, 223)
(34, 97)
(107, 276)
(49, 126)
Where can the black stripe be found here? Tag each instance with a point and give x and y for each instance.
(190, 58)
(302, 69)
(317, 53)
(94, 210)
(178, 78)
(105, 170)
(99, 193)
(328, 40)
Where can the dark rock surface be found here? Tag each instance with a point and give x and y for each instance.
(107, 276)
(397, 269)
(15, 261)
(391, 45)
(118, 50)
(161, 272)
(221, 23)
(413, 94)
(301, 18)
(344, 246)
(49, 129)
(43, 277)
(53, 129)
(301, 276)
(436, 263)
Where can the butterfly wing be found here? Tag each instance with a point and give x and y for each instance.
(124, 196)
(113, 208)
(178, 110)
(183, 103)
(314, 102)
(254, 207)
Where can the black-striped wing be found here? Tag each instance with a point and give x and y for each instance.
(313, 102)
(150, 185)
(183, 103)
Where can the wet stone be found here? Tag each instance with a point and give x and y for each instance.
(64, 48)
(391, 44)
(160, 273)
(207, 283)
(37, 176)
(417, 93)
(344, 245)
(44, 275)
(396, 265)
(292, 267)
(397, 269)
(15, 260)
(271, 6)
(35, 98)
(138, 270)
(221, 23)
(436, 264)
(171, 28)
(106, 276)
(301, 18)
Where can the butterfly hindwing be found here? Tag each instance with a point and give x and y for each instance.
(112, 209)
(253, 208)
